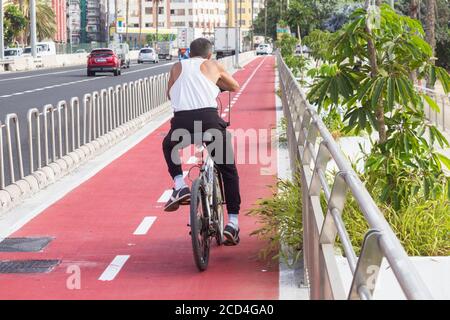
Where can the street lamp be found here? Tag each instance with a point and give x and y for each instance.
(2, 43)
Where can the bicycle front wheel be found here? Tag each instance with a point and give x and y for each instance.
(199, 225)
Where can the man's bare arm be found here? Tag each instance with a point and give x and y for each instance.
(174, 74)
(226, 81)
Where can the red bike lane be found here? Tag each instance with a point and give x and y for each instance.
(93, 226)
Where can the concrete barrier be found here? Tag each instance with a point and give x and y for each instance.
(244, 58)
(53, 61)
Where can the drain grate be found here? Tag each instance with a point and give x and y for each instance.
(24, 244)
(27, 266)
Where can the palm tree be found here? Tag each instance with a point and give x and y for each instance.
(45, 18)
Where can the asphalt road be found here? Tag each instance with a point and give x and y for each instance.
(22, 91)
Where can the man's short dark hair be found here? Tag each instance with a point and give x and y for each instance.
(200, 47)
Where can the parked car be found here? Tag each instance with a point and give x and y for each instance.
(148, 55)
(12, 53)
(27, 51)
(103, 60)
(264, 49)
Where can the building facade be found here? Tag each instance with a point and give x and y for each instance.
(93, 21)
(258, 6)
(166, 16)
(73, 21)
(59, 8)
(245, 13)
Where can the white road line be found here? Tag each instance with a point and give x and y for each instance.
(145, 225)
(51, 87)
(192, 160)
(80, 81)
(41, 74)
(165, 196)
(114, 268)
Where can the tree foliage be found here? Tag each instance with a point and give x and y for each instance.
(14, 22)
(45, 19)
(347, 78)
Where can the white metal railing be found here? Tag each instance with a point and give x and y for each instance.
(442, 118)
(61, 137)
(311, 148)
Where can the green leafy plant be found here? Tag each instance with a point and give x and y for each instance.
(368, 71)
(14, 23)
(319, 41)
(282, 128)
(287, 45)
(280, 217)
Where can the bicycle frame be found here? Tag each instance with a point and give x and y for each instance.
(207, 177)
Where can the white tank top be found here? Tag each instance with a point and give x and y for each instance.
(193, 90)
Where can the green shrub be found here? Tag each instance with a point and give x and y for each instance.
(282, 129)
(423, 227)
(280, 217)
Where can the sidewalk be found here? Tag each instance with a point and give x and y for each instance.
(112, 231)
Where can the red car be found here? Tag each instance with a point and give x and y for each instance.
(103, 60)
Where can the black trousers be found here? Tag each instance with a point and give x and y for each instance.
(188, 127)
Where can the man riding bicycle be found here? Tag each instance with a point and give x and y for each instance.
(193, 88)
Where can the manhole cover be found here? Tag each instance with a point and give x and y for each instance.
(24, 244)
(27, 266)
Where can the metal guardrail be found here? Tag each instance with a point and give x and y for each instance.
(59, 138)
(62, 137)
(311, 148)
(440, 119)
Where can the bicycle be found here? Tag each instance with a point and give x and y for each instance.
(206, 207)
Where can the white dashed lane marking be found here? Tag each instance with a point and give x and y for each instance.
(114, 268)
(145, 225)
(165, 196)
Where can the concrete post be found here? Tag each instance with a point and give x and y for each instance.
(237, 29)
(2, 40)
(33, 28)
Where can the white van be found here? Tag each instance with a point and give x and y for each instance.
(12, 53)
(123, 52)
(27, 51)
(47, 48)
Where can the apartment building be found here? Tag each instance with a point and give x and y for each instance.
(73, 21)
(92, 20)
(59, 8)
(245, 13)
(145, 16)
(258, 6)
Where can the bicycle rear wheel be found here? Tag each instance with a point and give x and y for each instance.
(218, 201)
(199, 226)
